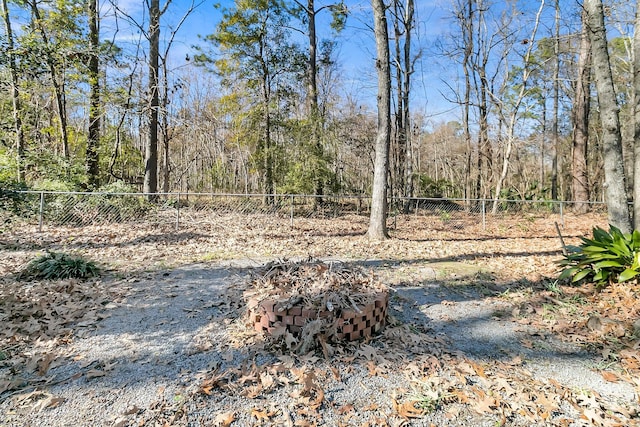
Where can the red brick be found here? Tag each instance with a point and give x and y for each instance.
(295, 329)
(288, 320)
(271, 316)
(347, 329)
(299, 320)
(348, 314)
(264, 322)
(295, 311)
(309, 314)
(267, 305)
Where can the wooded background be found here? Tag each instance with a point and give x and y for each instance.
(262, 102)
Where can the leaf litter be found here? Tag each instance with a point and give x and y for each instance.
(44, 317)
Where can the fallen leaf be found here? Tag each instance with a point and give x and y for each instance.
(610, 376)
(261, 414)
(408, 409)
(95, 373)
(225, 419)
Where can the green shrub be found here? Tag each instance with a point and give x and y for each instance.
(57, 265)
(608, 258)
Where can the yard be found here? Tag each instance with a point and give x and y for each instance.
(479, 332)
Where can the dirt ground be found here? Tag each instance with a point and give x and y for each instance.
(480, 332)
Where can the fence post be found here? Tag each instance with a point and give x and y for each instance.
(178, 212)
(561, 214)
(41, 213)
(292, 202)
(484, 215)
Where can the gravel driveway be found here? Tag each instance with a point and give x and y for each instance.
(173, 352)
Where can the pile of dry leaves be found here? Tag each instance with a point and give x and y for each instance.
(314, 284)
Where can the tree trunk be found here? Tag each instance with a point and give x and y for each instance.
(580, 179)
(485, 155)
(151, 146)
(378, 219)
(164, 128)
(266, 150)
(314, 112)
(636, 124)
(15, 95)
(467, 28)
(93, 142)
(556, 95)
(614, 185)
(399, 150)
(406, 111)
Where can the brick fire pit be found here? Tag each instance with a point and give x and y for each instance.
(333, 301)
(350, 324)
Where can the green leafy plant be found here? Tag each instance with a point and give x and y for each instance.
(57, 265)
(607, 258)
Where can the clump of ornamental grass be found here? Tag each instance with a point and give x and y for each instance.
(58, 265)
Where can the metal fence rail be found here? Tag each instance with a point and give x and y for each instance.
(76, 209)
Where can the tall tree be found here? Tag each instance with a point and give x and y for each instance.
(403, 25)
(485, 43)
(464, 15)
(615, 183)
(636, 117)
(93, 142)
(580, 137)
(556, 95)
(15, 95)
(150, 184)
(164, 97)
(309, 15)
(379, 204)
(514, 110)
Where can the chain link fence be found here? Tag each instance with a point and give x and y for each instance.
(75, 209)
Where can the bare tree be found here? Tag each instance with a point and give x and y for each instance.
(15, 95)
(580, 138)
(514, 109)
(556, 94)
(379, 204)
(403, 25)
(93, 142)
(636, 116)
(151, 146)
(164, 97)
(615, 182)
